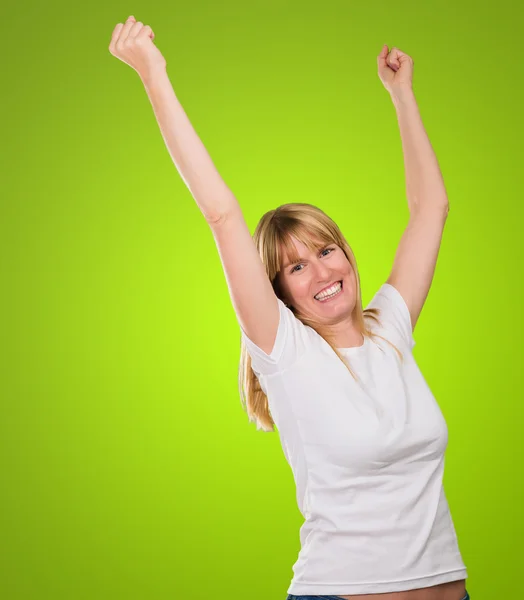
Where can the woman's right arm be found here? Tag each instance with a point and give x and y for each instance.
(187, 151)
(251, 292)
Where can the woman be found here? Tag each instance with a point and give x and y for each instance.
(358, 425)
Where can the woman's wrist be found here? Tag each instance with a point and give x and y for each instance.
(154, 74)
(401, 97)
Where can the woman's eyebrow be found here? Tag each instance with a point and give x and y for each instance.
(293, 263)
(302, 259)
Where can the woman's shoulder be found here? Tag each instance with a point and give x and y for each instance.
(387, 314)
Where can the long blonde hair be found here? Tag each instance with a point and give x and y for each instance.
(306, 223)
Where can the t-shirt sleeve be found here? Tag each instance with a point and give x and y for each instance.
(394, 316)
(291, 342)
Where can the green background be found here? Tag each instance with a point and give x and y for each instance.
(128, 467)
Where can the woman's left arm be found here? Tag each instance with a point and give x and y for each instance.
(417, 252)
(425, 187)
(424, 183)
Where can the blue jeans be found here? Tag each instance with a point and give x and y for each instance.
(292, 597)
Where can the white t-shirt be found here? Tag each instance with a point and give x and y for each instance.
(367, 458)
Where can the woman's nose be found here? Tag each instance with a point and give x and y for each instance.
(322, 272)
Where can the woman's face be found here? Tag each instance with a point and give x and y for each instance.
(315, 273)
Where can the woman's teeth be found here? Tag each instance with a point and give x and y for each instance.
(330, 292)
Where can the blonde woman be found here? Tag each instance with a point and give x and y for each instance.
(359, 426)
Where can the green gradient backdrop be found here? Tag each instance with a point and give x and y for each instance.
(128, 467)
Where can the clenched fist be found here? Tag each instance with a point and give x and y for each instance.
(395, 69)
(133, 44)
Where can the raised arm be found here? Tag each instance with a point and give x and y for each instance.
(251, 293)
(417, 252)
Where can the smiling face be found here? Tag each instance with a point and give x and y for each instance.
(324, 272)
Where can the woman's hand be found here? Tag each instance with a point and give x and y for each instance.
(133, 44)
(395, 70)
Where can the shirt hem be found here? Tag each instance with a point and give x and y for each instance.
(347, 589)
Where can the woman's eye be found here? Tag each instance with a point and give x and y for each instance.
(322, 252)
